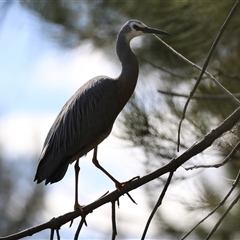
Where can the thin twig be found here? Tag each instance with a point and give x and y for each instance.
(105, 194)
(58, 234)
(235, 183)
(159, 202)
(162, 69)
(52, 234)
(223, 216)
(203, 97)
(114, 226)
(79, 227)
(83, 217)
(131, 198)
(217, 165)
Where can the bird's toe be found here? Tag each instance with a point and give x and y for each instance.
(123, 184)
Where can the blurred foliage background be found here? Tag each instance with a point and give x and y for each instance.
(151, 119)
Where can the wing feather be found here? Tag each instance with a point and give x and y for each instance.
(87, 115)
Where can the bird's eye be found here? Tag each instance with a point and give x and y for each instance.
(136, 27)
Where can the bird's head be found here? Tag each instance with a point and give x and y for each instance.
(135, 28)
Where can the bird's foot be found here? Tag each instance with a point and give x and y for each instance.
(77, 207)
(123, 184)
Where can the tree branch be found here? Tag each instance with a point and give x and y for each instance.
(79, 228)
(217, 165)
(202, 97)
(163, 69)
(197, 148)
(159, 202)
(114, 226)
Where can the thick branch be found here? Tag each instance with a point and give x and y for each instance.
(197, 148)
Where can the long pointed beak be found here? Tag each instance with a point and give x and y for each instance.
(154, 30)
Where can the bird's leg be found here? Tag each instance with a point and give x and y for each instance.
(117, 183)
(76, 204)
(96, 163)
(77, 169)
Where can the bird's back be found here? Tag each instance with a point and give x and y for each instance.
(84, 121)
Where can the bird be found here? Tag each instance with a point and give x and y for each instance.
(88, 116)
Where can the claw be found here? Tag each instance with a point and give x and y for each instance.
(123, 184)
(79, 207)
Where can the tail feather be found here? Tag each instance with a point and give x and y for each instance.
(58, 174)
(51, 168)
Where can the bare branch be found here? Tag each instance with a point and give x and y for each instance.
(217, 165)
(159, 202)
(114, 226)
(52, 234)
(202, 97)
(197, 148)
(162, 69)
(79, 227)
(58, 234)
(128, 194)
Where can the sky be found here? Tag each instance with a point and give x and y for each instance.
(36, 78)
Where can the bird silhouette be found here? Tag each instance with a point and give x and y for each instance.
(88, 116)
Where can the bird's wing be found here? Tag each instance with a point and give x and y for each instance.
(87, 115)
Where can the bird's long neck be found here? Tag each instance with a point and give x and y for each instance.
(128, 78)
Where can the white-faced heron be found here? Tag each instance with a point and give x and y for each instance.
(88, 116)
